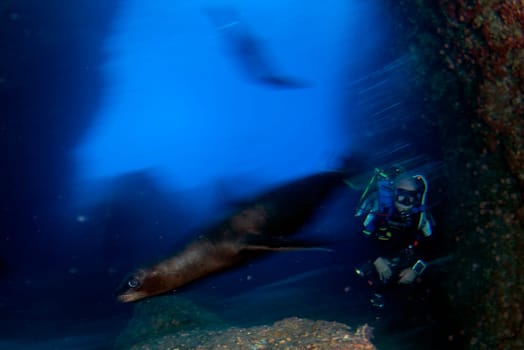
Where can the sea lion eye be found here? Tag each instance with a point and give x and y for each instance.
(133, 282)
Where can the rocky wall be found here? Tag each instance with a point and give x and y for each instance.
(470, 65)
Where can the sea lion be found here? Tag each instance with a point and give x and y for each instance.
(262, 225)
(248, 50)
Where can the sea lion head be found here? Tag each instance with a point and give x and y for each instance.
(141, 284)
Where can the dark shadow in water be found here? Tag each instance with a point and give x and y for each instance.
(249, 52)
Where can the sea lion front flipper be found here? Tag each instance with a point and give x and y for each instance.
(285, 249)
(281, 245)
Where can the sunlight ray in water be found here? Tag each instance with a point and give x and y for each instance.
(177, 104)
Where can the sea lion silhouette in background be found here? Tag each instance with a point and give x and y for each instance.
(262, 225)
(248, 50)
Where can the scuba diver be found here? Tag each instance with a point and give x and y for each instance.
(395, 222)
(248, 50)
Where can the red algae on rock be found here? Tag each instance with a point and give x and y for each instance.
(472, 55)
(487, 48)
(490, 50)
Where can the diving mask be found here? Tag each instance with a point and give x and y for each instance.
(405, 197)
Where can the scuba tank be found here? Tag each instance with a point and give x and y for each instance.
(377, 201)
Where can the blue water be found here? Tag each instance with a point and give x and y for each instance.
(178, 104)
(131, 124)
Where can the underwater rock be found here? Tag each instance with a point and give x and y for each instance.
(161, 316)
(471, 66)
(485, 42)
(290, 333)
